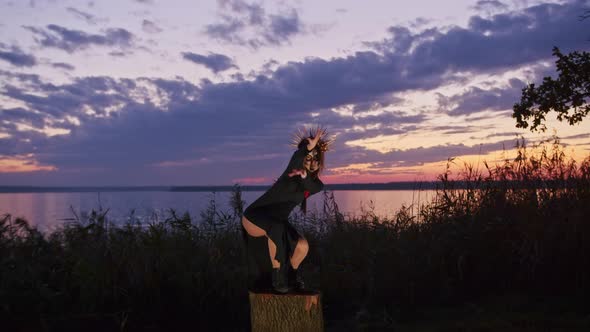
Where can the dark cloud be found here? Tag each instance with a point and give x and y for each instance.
(282, 28)
(226, 31)
(74, 40)
(400, 42)
(23, 80)
(248, 24)
(419, 22)
(578, 136)
(488, 5)
(500, 42)
(63, 65)
(215, 62)
(315, 84)
(501, 99)
(492, 117)
(34, 3)
(150, 27)
(503, 134)
(398, 156)
(20, 115)
(212, 122)
(120, 54)
(360, 124)
(16, 57)
(242, 128)
(239, 77)
(376, 104)
(253, 12)
(476, 99)
(422, 155)
(448, 130)
(89, 18)
(59, 101)
(269, 66)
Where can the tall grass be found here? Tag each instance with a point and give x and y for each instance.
(517, 228)
(133, 276)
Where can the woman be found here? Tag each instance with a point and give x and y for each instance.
(267, 217)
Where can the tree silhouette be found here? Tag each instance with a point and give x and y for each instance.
(568, 95)
(568, 92)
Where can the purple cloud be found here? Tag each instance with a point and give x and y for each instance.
(63, 65)
(74, 40)
(215, 62)
(89, 18)
(249, 25)
(21, 115)
(16, 57)
(501, 42)
(487, 5)
(150, 27)
(209, 127)
(282, 28)
(476, 99)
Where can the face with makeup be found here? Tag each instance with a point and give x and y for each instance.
(311, 162)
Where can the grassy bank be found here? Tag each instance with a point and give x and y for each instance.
(464, 258)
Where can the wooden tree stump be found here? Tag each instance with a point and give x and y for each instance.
(289, 312)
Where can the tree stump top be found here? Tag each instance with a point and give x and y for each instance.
(301, 311)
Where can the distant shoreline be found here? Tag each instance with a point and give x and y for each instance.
(426, 185)
(349, 186)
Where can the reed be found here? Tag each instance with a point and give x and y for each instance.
(517, 229)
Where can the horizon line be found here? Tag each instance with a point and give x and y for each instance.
(399, 185)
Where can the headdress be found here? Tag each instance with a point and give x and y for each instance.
(323, 144)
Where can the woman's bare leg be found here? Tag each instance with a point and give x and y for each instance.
(299, 253)
(256, 231)
(272, 249)
(251, 229)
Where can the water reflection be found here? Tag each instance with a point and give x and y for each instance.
(48, 210)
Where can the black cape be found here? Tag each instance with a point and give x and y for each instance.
(271, 212)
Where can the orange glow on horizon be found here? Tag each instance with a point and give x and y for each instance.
(365, 173)
(22, 164)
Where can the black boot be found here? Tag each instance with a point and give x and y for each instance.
(279, 284)
(296, 279)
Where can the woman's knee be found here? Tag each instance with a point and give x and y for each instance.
(252, 229)
(302, 245)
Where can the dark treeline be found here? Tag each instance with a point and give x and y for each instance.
(349, 186)
(489, 250)
(410, 185)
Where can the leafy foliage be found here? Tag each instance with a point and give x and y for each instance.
(568, 95)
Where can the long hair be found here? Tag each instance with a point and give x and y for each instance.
(300, 140)
(315, 174)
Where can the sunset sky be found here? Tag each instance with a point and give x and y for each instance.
(181, 92)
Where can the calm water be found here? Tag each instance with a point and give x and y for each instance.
(47, 210)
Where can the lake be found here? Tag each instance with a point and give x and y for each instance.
(47, 210)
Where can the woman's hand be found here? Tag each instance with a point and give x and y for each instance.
(301, 172)
(319, 132)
